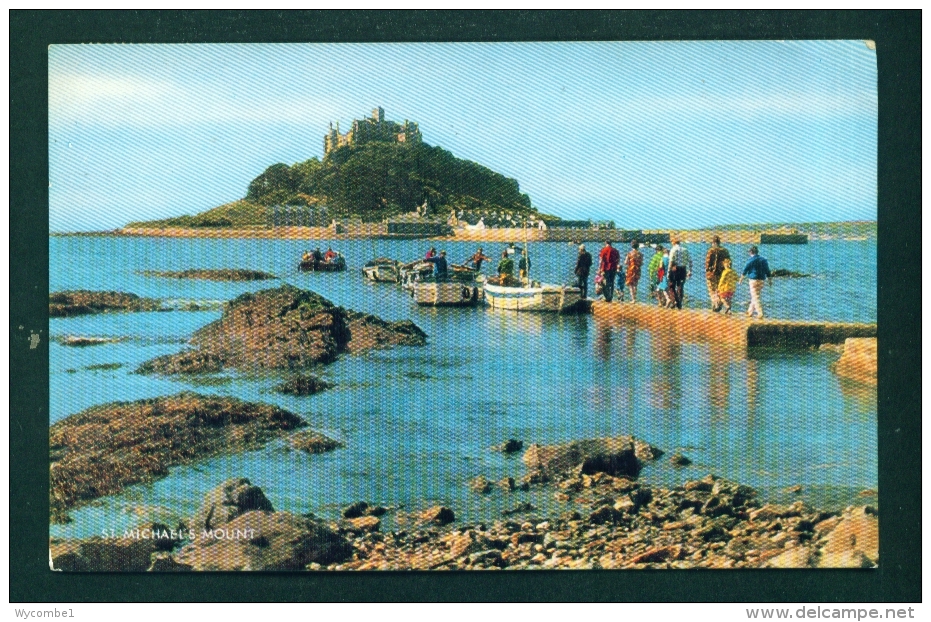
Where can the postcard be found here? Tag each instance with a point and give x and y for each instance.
(463, 306)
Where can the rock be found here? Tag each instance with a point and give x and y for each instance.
(376, 510)
(84, 302)
(794, 489)
(520, 508)
(782, 272)
(285, 328)
(858, 361)
(489, 557)
(364, 523)
(438, 514)
(867, 493)
(509, 446)
(266, 541)
(467, 544)
(302, 385)
(314, 442)
(845, 559)
(165, 562)
(83, 342)
(679, 460)
(355, 510)
(480, 485)
(231, 499)
(698, 486)
(855, 533)
(507, 483)
(657, 555)
(797, 557)
(211, 275)
(614, 456)
(767, 513)
(604, 514)
(646, 452)
(105, 448)
(102, 554)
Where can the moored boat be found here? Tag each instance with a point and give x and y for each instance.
(446, 293)
(336, 264)
(534, 296)
(382, 270)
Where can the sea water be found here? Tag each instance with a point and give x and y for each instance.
(418, 422)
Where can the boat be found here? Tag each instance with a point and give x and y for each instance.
(382, 270)
(422, 270)
(430, 292)
(525, 294)
(336, 264)
(532, 296)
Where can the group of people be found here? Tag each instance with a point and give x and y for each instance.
(317, 257)
(668, 270)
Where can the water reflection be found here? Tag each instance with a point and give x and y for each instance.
(666, 376)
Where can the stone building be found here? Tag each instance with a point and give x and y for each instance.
(372, 129)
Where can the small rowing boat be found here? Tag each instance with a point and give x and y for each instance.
(336, 264)
(382, 270)
(534, 296)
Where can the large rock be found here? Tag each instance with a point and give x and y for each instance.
(103, 449)
(225, 274)
(614, 456)
(855, 532)
(84, 302)
(285, 328)
(314, 442)
(102, 554)
(266, 541)
(859, 360)
(232, 498)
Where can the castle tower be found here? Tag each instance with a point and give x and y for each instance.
(378, 114)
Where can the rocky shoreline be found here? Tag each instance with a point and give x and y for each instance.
(85, 302)
(227, 274)
(619, 523)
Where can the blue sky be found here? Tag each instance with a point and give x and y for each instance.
(649, 134)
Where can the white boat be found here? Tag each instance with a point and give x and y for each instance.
(534, 296)
(432, 293)
(382, 270)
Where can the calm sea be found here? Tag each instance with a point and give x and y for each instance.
(418, 422)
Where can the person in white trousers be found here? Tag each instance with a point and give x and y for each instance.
(757, 271)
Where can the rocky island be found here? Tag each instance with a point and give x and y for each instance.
(285, 328)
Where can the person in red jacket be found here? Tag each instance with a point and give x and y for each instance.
(608, 261)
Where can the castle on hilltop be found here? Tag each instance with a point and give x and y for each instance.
(373, 129)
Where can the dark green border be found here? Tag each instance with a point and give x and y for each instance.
(898, 38)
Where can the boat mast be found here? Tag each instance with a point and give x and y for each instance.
(527, 253)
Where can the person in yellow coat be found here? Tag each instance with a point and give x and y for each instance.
(727, 286)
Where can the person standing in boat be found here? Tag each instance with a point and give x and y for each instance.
(633, 266)
(318, 257)
(680, 269)
(330, 254)
(608, 261)
(714, 266)
(440, 266)
(505, 269)
(430, 253)
(583, 266)
(524, 266)
(757, 271)
(477, 259)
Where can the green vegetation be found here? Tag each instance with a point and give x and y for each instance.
(372, 181)
(376, 180)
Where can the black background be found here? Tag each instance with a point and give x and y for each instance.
(898, 40)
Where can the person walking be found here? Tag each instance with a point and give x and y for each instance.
(653, 269)
(583, 266)
(714, 266)
(664, 297)
(680, 269)
(727, 286)
(608, 261)
(757, 272)
(633, 266)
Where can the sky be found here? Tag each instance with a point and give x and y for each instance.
(648, 134)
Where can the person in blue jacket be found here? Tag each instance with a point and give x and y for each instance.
(757, 272)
